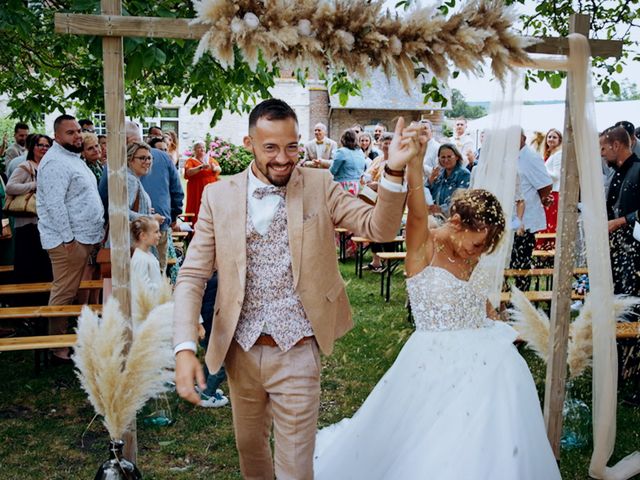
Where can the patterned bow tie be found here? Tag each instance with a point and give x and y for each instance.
(320, 143)
(262, 192)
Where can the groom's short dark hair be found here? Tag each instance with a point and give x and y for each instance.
(272, 109)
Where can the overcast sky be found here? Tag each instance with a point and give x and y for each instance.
(482, 89)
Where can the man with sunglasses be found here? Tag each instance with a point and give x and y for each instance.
(268, 232)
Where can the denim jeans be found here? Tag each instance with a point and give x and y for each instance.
(208, 306)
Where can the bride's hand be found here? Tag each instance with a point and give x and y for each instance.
(404, 146)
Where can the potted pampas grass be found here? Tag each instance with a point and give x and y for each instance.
(533, 327)
(120, 376)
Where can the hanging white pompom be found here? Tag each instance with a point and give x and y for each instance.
(251, 21)
(347, 39)
(395, 45)
(237, 26)
(304, 27)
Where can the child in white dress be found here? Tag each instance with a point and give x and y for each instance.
(145, 267)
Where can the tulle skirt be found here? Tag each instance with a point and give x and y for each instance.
(455, 405)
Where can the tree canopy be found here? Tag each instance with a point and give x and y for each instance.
(41, 71)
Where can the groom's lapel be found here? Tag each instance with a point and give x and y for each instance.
(294, 221)
(236, 224)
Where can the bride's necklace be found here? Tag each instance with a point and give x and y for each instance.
(440, 248)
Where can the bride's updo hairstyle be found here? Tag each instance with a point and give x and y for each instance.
(479, 210)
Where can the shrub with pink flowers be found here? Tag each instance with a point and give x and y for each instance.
(232, 158)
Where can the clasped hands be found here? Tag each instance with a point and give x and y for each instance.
(408, 145)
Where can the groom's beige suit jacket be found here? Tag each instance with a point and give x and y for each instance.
(315, 205)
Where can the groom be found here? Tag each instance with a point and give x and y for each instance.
(269, 233)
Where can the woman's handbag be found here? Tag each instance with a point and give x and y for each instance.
(23, 205)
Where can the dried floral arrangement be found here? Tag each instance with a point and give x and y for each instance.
(118, 380)
(358, 35)
(533, 326)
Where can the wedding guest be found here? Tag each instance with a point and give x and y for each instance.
(159, 143)
(13, 164)
(319, 152)
(19, 146)
(463, 141)
(366, 145)
(349, 163)
(102, 140)
(631, 130)
(357, 128)
(212, 396)
(171, 139)
(446, 178)
(71, 217)
(535, 187)
(87, 126)
(623, 213)
(145, 268)
(139, 162)
(374, 171)
(154, 132)
(552, 156)
(31, 262)
(92, 153)
(430, 160)
(199, 172)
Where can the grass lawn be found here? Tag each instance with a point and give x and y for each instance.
(43, 418)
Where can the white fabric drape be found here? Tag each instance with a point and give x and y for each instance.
(605, 363)
(497, 173)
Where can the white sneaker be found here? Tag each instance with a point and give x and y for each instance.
(214, 401)
(576, 306)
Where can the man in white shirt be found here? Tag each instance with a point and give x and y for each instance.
(463, 141)
(318, 153)
(70, 217)
(268, 232)
(431, 155)
(535, 186)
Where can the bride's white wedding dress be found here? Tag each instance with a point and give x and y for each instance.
(459, 402)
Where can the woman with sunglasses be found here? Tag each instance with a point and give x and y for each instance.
(31, 262)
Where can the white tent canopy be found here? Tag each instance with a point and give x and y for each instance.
(542, 117)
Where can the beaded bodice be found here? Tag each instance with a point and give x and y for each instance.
(441, 301)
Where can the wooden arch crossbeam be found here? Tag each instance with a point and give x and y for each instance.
(113, 27)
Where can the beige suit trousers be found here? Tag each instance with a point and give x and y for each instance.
(68, 264)
(270, 387)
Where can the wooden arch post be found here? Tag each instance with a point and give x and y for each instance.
(566, 233)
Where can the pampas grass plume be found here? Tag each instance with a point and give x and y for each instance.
(532, 324)
(117, 381)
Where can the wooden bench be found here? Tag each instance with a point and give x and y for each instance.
(40, 342)
(24, 288)
(362, 246)
(545, 236)
(342, 243)
(538, 274)
(6, 268)
(52, 311)
(535, 296)
(37, 342)
(390, 262)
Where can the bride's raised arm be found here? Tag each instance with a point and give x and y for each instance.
(417, 227)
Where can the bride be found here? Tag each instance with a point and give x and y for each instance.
(459, 402)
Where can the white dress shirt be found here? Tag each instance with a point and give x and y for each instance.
(430, 157)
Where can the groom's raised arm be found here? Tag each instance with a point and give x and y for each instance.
(379, 223)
